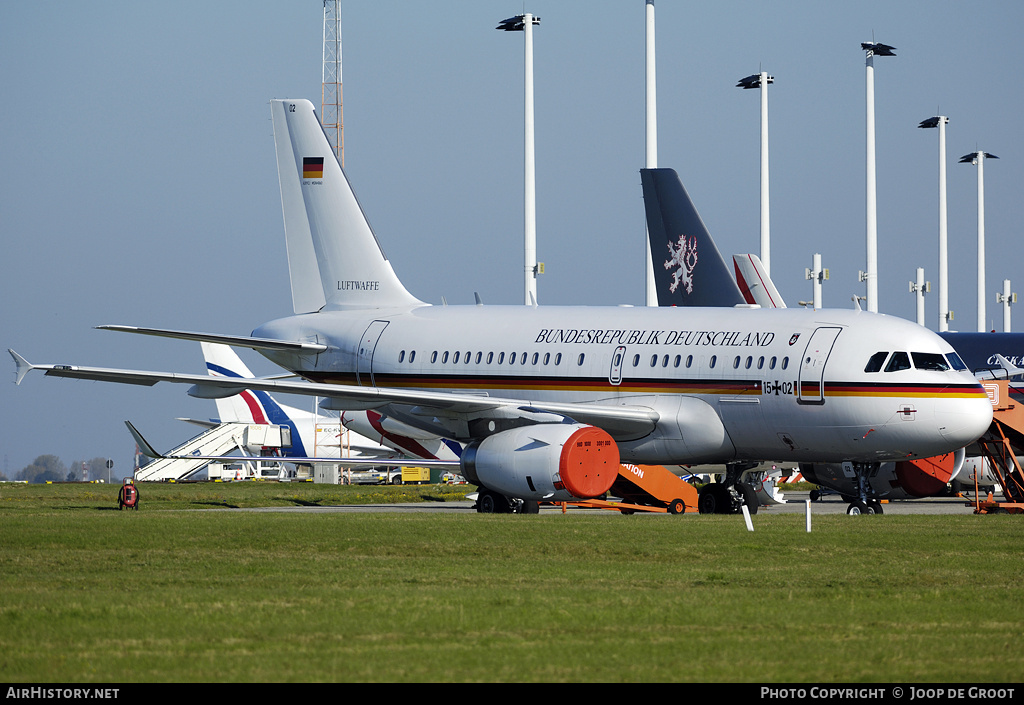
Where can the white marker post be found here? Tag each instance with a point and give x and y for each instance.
(746, 518)
(807, 513)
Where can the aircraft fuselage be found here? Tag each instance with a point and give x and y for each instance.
(727, 384)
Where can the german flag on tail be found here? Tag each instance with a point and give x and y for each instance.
(312, 167)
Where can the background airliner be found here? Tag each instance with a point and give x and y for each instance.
(550, 400)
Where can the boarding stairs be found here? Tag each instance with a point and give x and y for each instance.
(999, 446)
(219, 441)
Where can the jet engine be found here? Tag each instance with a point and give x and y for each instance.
(906, 479)
(555, 462)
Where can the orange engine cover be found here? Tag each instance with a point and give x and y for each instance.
(557, 462)
(925, 477)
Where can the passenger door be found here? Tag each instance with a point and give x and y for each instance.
(811, 380)
(367, 344)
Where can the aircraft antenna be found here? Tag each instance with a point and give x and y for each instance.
(330, 102)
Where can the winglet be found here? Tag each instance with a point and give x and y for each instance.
(24, 366)
(1011, 369)
(144, 447)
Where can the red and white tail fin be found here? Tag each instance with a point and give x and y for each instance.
(755, 284)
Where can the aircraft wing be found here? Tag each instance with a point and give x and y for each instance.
(619, 421)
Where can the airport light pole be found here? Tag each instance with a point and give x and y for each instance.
(920, 288)
(524, 23)
(940, 122)
(651, 293)
(817, 275)
(1006, 299)
(761, 80)
(871, 50)
(978, 158)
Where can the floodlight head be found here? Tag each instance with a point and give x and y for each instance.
(934, 121)
(972, 158)
(878, 49)
(752, 81)
(515, 24)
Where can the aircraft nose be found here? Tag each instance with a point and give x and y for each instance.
(963, 421)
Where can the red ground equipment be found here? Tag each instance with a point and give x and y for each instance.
(128, 495)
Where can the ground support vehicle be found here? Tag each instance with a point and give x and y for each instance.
(647, 488)
(998, 445)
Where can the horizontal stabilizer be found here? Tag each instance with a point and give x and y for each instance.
(236, 340)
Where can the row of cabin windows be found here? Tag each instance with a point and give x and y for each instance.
(922, 361)
(713, 361)
(547, 359)
(467, 358)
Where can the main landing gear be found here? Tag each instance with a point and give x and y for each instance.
(491, 502)
(728, 496)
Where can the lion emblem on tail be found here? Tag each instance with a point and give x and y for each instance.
(683, 256)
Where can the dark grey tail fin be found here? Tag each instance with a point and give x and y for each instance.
(688, 268)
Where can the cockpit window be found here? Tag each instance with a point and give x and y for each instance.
(955, 362)
(930, 361)
(876, 362)
(898, 361)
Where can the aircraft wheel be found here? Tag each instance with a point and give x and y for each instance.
(749, 496)
(710, 500)
(676, 506)
(857, 508)
(815, 495)
(876, 506)
(492, 503)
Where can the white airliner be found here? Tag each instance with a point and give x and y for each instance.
(550, 400)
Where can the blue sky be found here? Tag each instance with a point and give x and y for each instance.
(139, 184)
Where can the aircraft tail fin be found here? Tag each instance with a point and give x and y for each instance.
(222, 361)
(334, 259)
(251, 406)
(689, 270)
(755, 284)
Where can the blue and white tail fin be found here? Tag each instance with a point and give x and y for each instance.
(689, 270)
(365, 433)
(255, 407)
(755, 284)
(334, 259)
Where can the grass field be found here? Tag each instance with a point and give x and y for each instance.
(169, 593)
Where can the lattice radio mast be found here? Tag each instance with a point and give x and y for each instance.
(330, 101)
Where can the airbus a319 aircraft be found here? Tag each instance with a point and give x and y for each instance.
(549, 400)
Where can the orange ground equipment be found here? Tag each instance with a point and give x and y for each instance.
(647, 488)
(998, 446)
(128, 495)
